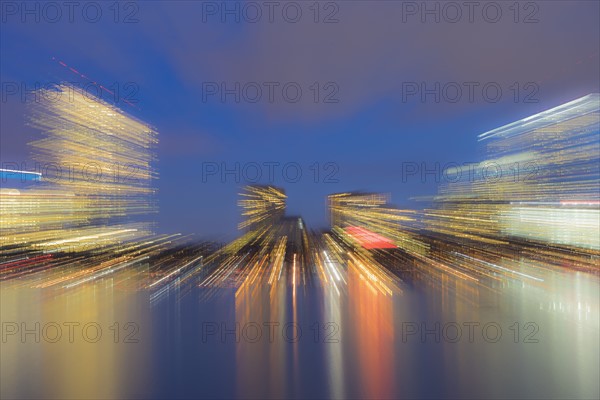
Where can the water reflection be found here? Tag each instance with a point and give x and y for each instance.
(74, 344)
(437, 336)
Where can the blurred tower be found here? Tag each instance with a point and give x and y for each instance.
(95, 177)
(369, 219)
(97, 151)
(540, 182)
(349, 209)
(262, 207)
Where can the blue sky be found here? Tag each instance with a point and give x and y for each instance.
(370, 57)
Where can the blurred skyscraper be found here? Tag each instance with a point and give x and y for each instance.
(94, 173)
(539, 183)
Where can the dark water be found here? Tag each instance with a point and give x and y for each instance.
(304, 341)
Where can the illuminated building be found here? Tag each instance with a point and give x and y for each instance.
(370, 221)
(94, 183)
(262, 206)
(539, 183)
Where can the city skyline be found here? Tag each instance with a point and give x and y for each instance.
(117, 171)
(383, 116)
(363, 199)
